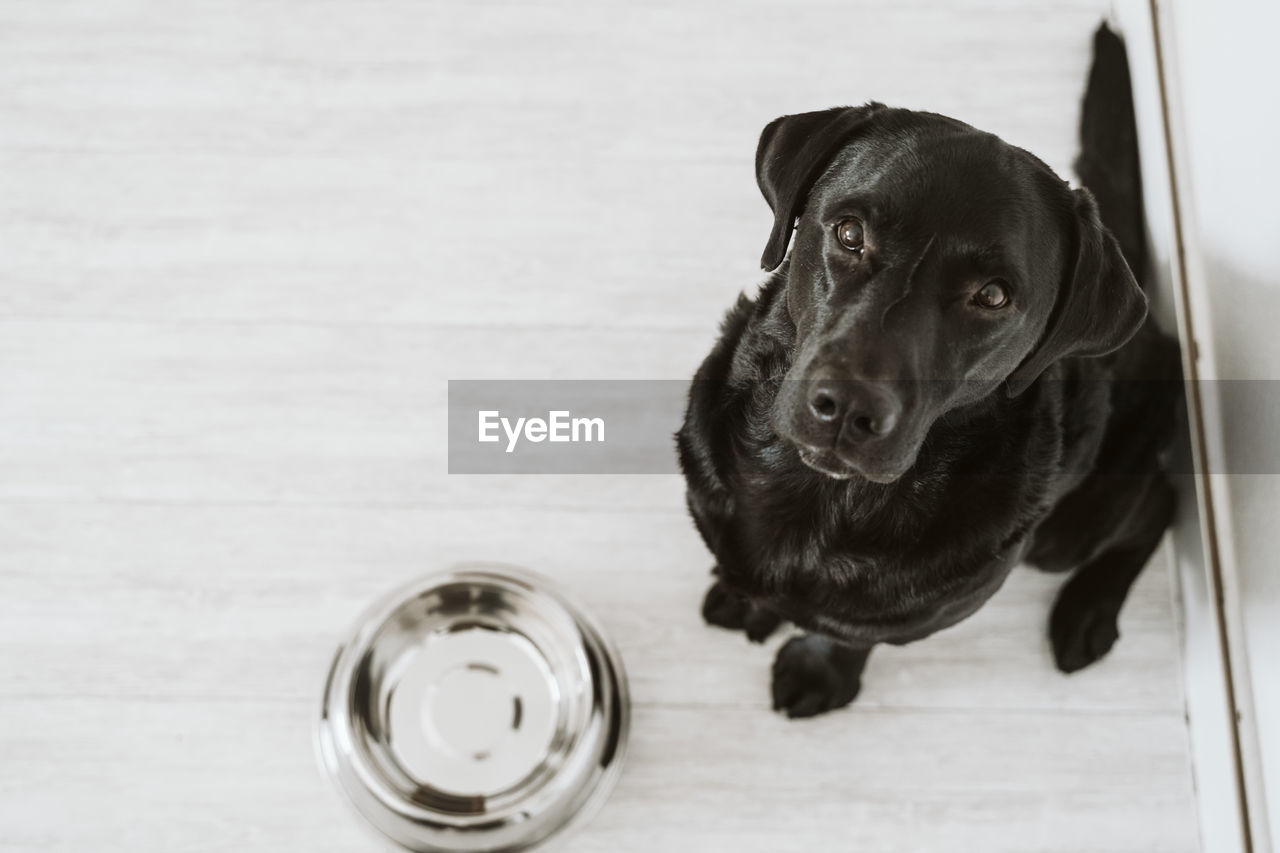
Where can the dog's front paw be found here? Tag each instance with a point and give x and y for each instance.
(724, 608)
(1082, 627)
(813, 675)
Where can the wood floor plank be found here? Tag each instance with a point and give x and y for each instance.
(551, 162)
(185, 602)
(230, 412)
(198, 776)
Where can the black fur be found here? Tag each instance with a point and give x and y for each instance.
(984, 438)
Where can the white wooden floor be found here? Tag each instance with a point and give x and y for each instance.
(244, 244)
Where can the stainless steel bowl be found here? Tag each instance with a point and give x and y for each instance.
(476, 710)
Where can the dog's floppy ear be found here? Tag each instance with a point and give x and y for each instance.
(1099, 305)
(793, 152)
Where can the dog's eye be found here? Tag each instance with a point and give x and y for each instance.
(993, 295)
(849, 233)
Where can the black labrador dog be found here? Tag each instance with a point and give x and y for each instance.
(950, 373)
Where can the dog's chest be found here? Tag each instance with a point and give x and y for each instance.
(860, 563)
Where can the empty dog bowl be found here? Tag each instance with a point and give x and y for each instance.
(478, 710)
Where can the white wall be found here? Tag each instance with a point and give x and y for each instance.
(1228, 69)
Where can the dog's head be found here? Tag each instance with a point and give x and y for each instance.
(933, 263)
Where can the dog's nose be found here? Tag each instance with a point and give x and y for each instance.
(866, 409)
